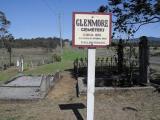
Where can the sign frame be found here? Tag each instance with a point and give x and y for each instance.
(90, 13)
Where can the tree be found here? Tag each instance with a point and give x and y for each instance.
(4, 24)
(8, 45)
(5, 37)
(130, 15)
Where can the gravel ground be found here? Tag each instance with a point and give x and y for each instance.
(63, 104)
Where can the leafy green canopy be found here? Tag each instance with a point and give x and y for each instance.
(4, 24)
(129, 15)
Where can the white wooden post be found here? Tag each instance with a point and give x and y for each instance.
(91, 84)
(22, 64)
(84, 37)
(17, 63)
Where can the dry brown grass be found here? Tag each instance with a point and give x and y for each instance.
(133, 105)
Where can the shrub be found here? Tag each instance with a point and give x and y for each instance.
(56, 58)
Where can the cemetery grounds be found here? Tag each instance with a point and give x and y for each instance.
(133, 105)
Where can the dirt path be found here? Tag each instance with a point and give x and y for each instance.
(65, 88)
(63, 104)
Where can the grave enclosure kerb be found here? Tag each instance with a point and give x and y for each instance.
(89, 46)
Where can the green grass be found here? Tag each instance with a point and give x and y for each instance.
(49, 68)
(72, 54)
(10, 118)
(7, 74)
(69, 55)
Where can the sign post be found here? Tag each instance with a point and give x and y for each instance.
(91, 30)
(91, 83)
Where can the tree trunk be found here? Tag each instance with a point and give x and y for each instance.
(10, 58)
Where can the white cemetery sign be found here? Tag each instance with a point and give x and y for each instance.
(91, 30)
